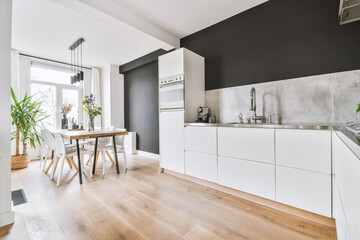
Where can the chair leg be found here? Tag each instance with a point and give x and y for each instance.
(82, 160)
(91, 164)
(125, 162)
(62, 161)
(73, 163)
(54, 167)
(103, 159)
(70, 165)
(48, 168)
(97, 158)
(112, 160)
(41, 156)
(45, 159)
(88, 161)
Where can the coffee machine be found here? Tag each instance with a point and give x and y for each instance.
(203, 114)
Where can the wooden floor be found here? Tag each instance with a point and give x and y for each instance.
(143, 204)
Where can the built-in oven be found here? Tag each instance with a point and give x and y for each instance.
(171, 92)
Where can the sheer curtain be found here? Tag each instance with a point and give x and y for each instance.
(15, 83)
(15, 70)
(95, 89)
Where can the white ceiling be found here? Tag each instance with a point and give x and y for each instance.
(46, 29)
(115, 31)
(184, 17)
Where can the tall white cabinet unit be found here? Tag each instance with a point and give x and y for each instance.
(191, 66)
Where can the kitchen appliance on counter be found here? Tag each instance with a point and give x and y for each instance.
(203, 114)
(181, 91)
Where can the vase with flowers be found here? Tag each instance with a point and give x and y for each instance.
(92, 110)
(65, 109)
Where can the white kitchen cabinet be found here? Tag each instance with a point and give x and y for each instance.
(201, 139)
(171, 64)
(203, 166)
(306, 190)
(172, 141)
(254, 144)
(339, 215)
(247, 176)
(304, 149)
(347, 176)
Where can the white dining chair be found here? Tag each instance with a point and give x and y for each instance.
(50, 145)
(62, 152)
(102, 148)
(120, 148)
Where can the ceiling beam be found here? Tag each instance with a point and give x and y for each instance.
(114, 15)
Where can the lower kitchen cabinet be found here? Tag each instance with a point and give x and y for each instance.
(302, 189)
(203, 166)
(247, 176)
(339, 215)
(347, 179)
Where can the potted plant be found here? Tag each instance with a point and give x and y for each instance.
(90, 107)
(358, 109)
(27, 118)
(65, 109)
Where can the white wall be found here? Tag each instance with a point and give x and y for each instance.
(112, 91)
(117, 97)
(105, 96)
(6, 213)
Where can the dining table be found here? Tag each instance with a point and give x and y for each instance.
(78, 135)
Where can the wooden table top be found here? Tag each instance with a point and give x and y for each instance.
(84, 134)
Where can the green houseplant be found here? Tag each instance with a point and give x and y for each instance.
(358, 109)
(27, 118)
(90, 107)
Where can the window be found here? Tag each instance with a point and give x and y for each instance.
(52, 86)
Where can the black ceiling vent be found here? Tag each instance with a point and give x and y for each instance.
(349, 11)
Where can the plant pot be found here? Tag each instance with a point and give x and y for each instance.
(18, 162)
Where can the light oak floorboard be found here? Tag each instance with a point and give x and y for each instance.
(143, 204)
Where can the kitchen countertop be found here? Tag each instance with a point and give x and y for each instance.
(352, 136)
(309, 126)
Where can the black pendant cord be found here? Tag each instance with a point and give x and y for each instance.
(77, 67)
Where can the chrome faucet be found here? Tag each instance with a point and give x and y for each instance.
(254, 117)
(240, 117)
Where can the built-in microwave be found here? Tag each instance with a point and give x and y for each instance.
(171, 92)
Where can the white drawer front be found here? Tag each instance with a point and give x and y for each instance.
(202, 166)
(254, 144)
(251, 177)
(310, 191)
(201, 139)
(304, 149)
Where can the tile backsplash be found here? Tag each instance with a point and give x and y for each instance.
(329, 98)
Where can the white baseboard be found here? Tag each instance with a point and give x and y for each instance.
(7, 217)
(148, 154)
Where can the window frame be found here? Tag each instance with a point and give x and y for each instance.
(59, 93)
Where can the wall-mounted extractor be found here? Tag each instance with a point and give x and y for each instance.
(349, 11)
(76, 61)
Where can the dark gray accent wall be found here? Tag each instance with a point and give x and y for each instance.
(280, 39)
(141, 105)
